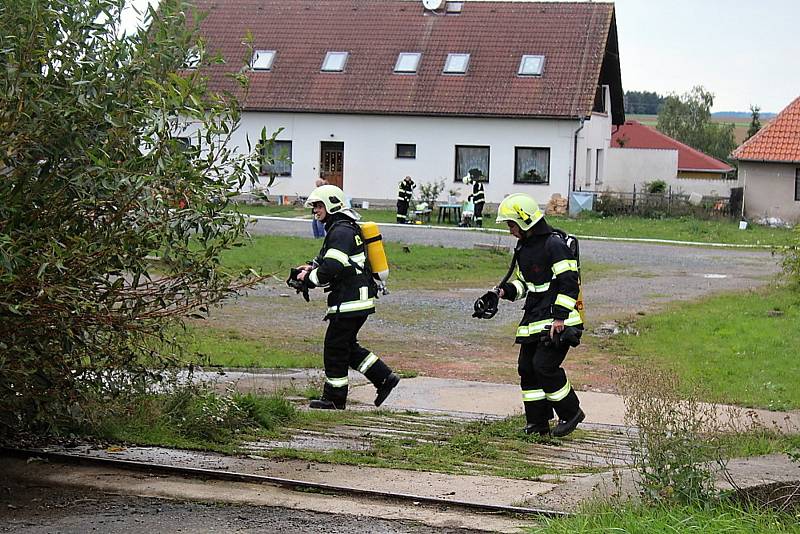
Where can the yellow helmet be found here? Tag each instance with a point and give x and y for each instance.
(330, 195)
(520, 208)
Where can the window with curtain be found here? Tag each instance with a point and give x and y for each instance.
(531, 165)
(281, 159)
(472, 160)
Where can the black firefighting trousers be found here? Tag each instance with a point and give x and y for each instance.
(343, 351)
(479, 214)
(402, 211)
(544, 383)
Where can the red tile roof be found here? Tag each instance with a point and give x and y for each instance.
(778, 141)
(634, 134)
(578, 40)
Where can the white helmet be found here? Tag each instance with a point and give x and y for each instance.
(330, 195)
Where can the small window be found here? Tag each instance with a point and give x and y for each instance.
(192, 59)
(797, 184)
(405, 151)
(334, 61)
(472, 160)
(279, 162)
(531, 66)
(456, 64)
(453, 8)
(262, 59)
(407, 62)
(531, 165)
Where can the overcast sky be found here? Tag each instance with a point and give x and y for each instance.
(744, 51)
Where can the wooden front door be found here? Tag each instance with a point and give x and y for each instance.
(331, 164)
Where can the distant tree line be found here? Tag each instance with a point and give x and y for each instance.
(643, 102)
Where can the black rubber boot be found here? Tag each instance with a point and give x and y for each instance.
(384, 389)
(564, 428)
(322, 404)
(537, 429)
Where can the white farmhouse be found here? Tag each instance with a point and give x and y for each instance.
(369, 91)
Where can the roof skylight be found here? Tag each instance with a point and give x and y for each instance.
(334, 61)
(262, 59)
(407, 62)
(531, 65)
(456, 64)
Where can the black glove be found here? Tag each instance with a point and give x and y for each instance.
(298, 285)
(486, 306)
(570, 336)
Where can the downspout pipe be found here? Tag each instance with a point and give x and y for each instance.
(575, 155)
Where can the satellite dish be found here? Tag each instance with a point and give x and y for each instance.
(433, 5)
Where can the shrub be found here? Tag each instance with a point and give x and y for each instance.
(656, 186)
(95, 179)
(429, 192)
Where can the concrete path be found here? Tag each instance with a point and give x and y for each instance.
(481, 398)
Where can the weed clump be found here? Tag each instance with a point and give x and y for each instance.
(678, 437)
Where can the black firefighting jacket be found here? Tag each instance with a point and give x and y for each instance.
(341, 269)
(406, 191)
(547, 275)
(478, 196)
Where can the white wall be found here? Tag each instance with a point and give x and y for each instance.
(371, 170)
(593, 141)
(628, 166)
(769, 190)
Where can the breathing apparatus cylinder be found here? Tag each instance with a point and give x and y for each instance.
(376, 255)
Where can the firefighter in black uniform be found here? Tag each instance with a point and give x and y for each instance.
(546, 275)
(340, 268)
(405, 193)
(477, 196)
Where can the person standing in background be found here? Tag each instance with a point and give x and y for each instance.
(318, 227)
(405, 193)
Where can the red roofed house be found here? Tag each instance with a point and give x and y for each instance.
(769, 168)
(641, 154)
(369, 91)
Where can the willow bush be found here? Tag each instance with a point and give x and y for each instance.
(94, 182)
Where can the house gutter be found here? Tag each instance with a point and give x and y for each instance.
(575, 155)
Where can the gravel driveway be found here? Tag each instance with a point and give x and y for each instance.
(647, 274)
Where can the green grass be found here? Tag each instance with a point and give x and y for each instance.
(413, 266)
(729, 518)
(189, 418)
(678, 228)
(743, 348)
(230, 348)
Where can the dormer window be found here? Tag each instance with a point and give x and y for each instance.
(407, 62)
(531, 65)
(334, 61)
(262, 60)
(456, 64)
